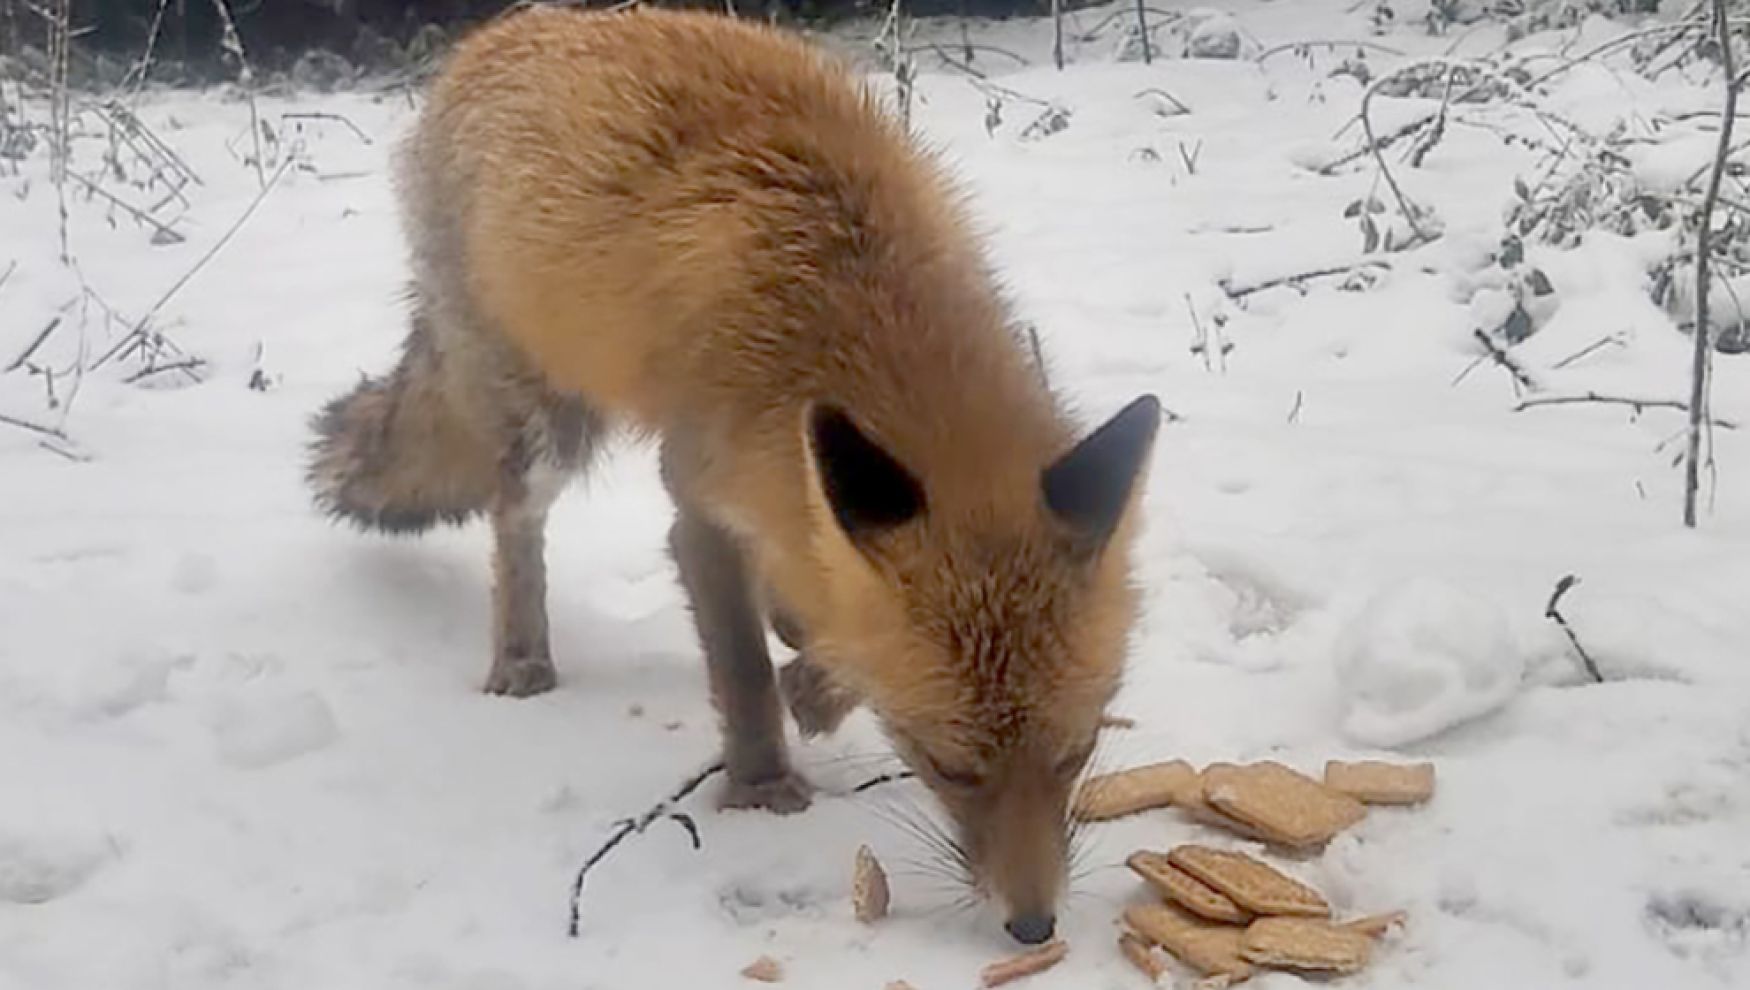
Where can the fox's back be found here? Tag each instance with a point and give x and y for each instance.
(687, 217)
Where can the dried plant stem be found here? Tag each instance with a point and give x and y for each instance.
(1057, 33)
(1702, 365)
(233, 43)
(60, 112)
(1553, 612)
(1617, 400)
(138, 331)
(1148, 55)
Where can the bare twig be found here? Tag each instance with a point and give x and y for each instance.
(1702, 365)
(232, 42)
(189, 365)
(138, 331)
(1521, 377)
(1614, 340)
(24, 355)
(1057, 33)
(1289, 46)
(1177, 103)
(660, 811)
(1298, 279)
(336, 117)
(164, 233)
(1552, 611)
(1148, 55)
(1616, 400)
(25, 424)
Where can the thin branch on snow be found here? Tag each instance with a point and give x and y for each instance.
(1617, 400)
(660, 811)
(25, 424)
(1521, 377)
(36, 342)
(138, 331)
(1297, 281)
(1291, 46)
(1552, 611)
(664, 810)
(1702, 365)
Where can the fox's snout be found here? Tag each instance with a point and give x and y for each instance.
(1019, 848)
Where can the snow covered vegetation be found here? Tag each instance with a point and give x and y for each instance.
(1416, 283)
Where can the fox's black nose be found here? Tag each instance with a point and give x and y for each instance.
(1032, 929)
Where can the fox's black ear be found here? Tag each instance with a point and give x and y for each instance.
(1089, 487)
(869, 491)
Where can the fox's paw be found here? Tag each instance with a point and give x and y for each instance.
(817, 704)
(521, 677)
(785, 795)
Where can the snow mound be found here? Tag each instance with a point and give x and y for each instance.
(37, 867)
(1420, 658)
(259, 732)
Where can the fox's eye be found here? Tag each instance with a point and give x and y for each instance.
(956, 776)
(1072, 764)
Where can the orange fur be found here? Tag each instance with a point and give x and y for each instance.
(703, 228)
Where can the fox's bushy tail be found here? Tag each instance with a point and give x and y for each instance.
(396, 454)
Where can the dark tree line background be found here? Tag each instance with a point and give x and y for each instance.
(353, 35)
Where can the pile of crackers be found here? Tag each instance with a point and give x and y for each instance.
(1227, 914)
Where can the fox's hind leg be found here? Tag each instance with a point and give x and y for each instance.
(547, 445)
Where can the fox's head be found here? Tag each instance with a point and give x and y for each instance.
(987, 635)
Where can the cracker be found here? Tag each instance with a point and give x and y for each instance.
(1026, 964)
(1305, 944)
(1194, 803)
(1142, 956)
(1184, 889)
(1117, 722)
(765, 969)
(1375, 782)
(1127, 792)
(869, 892)
(1205, 946)
(1376, 925)
(1249, 883)
(1287, 807)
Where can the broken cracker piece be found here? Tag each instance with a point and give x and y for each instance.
(1376, 925)
(1194, 804)
(869, 892)
(1250, 883)
(1184, 889)
(1206, 946)
(1285, 806)
(1142, 955)
(765, 969)
(1376, 782)
(1117, 722)
(1127, 792)
(1026, 964)
(1309, 944)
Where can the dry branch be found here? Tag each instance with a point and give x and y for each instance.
(1702, 365)
(1552, 611)
(1617, 400)
(660, 811)
(138, 331)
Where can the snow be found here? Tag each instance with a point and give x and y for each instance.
(1421, 658)
(241, 748)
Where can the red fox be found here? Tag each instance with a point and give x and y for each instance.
(707, 232)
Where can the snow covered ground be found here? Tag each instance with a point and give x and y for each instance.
(241, 748)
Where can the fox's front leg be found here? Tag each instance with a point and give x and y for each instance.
(743, 685)
(817, 701)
